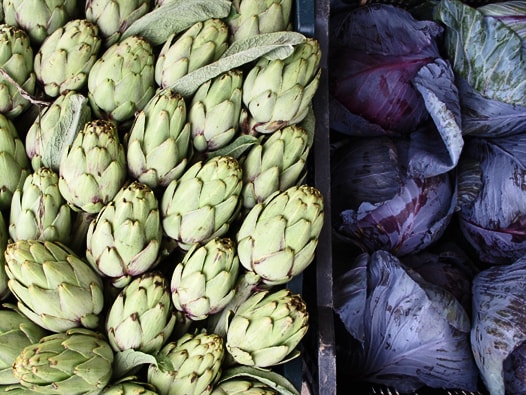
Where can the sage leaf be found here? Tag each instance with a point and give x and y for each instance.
(273, 379)
(174, 17)
(236, 148)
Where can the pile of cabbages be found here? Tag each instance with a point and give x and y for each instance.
(428, 175)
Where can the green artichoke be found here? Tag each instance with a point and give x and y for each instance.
(203, 202)
(267, 327)
(38, 210)
(55, 288)
(199, 45)
(142, 317)
(56, 128)
(16, 332)
(93, 167)
(215, 110)
(252, 17)
(16, 64)
(4, 236)
(121, 81)
(13, 162)
(278, 237)
(279, 92)
(65, 58)
(204, 282)
(113, 17)
(129, 388)
(240, 386)
(158, 145)
(40, 18)
(124, 240)
(274, 165)
(77, 361)
(196, 360)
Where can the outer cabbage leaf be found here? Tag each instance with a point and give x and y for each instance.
(511, 12)
(499, 313)
(415, 334)
(484, 51)
(494, 220)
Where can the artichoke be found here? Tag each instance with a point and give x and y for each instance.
(266, 328)
(55, 128)
(279, 92)
(113, 17)
(38, 210)
(204, 282)
(215, 110)
(93, 167)
(13, 162)
(158, 145)
(141, 318)
(129, 388)
(16, 332)
(252, 17)
(65, 58)
(4, 236)
(240, 386)
(78, 361)
(55, 288)
(196, 360)
(199, 45)
(124, 240)
(203, 202)
(277, 239)
(121, 81)
(274, 165)
(16, 64)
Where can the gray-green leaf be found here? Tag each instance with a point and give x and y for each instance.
(268, 377)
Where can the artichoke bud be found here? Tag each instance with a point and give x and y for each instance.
(54, 287)
(77, 361)
(274, 165)
(278, 237)
(201, 44)
(204, 282)
(93, 167)
(121, 81)
(13, 162)
(215, 111)
(158, 145)
(16, 60)
(16, 332)
(40, 18)
(113, 17)
(196, 359)
(124, 240)
(65, 58)
(55, 128)
(141, 317)
(267, 327)
(279, 92)
(38, 210)
(203, 202)
(4, 239)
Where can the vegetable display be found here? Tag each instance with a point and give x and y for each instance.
(427, 175)
(155, 197)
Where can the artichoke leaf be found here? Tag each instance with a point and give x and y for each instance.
(268, 377)
(128, 360)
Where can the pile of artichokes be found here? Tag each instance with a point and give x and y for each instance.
(154, 199)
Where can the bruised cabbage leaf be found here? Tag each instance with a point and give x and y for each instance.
(410, 333)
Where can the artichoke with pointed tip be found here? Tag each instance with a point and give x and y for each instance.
(54, 287)
(158, 145)
(279, 92)
(201, 44)
(204, 281)
(266, 328)
(16, 332)
(16, 61)
(203, 202)
(121, 81)
(196, 359)
(38, 210)
(141, 318)
(93, 167)
(77, 361)
(215, 110)
(64, 59)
